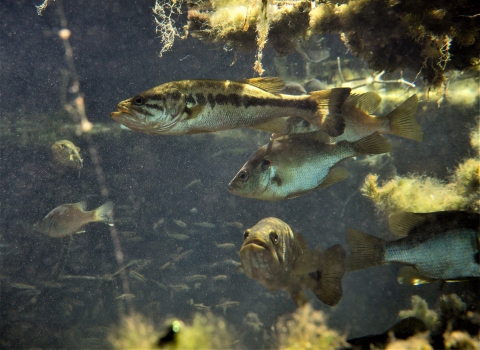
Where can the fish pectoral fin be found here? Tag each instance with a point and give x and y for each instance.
(329, 287)
(401, 223)
(366, 250)
(269, 84)
(194, 111)
(335, 175)
(82, 230)
(408, 327)
(410, 276)
(367, 102)
(299, 297)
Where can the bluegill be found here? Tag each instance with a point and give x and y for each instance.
(68, 219)
(359, 122)
(279, 259)
(199, 106)
(438, 246)
(289, 167)
(66, 153)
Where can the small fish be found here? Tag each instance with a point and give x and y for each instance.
(404, 329)
(227, 304)
(236, 224)
(71, 218)
(183, 255)
(201, 307)
(279, 259)
(360, 123)
(66, 153)
(179, 236)
(164, 266)
(180, 223)
(225, 245)
(126, 296)
(438, 246)
(195, 278)
(137, 276)
(198, 106)
(292, 166)
(219, 277)
(158, 223)
(22, 286)
(193, 183)
(205, 224)
(179, 287)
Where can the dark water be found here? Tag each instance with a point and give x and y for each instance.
(115, 54)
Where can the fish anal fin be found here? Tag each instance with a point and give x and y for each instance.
(402, 120)
(366, 250)
(270, 84)
(299, 297)
(401, 223)
(82, 230)
(410, 276)
(275, 126)
(408, 327)
(335, 175)
(329, 116)
(367, 102)
(329, 287)
(372, 144)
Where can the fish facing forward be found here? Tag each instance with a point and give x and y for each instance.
(438, 246)
(359, 122)
(68, 219)
(67, 154)
(289, 167)
(279, 259)
(199, 106)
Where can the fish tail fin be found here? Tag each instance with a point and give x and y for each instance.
(102, 213)
(372, 144)
(366, 250)
(402, 120)
(329, 116)
(329, 286)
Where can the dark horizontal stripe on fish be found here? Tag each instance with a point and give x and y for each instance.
(141, 110)
(157, 107)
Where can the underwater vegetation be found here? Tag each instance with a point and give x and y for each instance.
(427, 37)
(420, 193)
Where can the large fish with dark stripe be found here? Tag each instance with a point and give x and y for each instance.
(198, 106)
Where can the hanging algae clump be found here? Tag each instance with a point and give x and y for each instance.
(421, 194)
(306, 328)
(206, 331)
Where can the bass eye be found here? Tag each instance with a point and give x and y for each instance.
(274, 237)
(138, 100)
(266, 164)
(245, 234)
(243, 176)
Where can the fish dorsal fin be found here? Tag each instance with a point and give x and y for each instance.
(408, 327)
(269, 84)
(401, 223)
(81, 205)
(335, 175)
(367, 102)
(408, 275)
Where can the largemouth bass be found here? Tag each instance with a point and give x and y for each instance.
(438, 246)
(67, 154)
(289, 167)
(279, 259)
(71, 218)
(199, 106)
(359, 122)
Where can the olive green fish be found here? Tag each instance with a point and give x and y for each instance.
(279, 259)
(438, 246)
(68, 219)
(199, 106)
(360, 123)
(66, 153)
(289, 167)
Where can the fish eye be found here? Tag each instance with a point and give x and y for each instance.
(274, 237)
(245, 234)
(243, 176)
(138, 100)
(266, 164)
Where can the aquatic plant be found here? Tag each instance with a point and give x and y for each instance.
(461, 340)
(420, 193)
(306, 328)
(134, 332)
(417, 342)
(421, 311)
